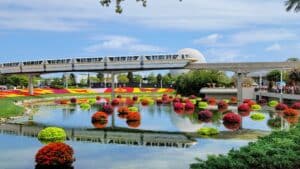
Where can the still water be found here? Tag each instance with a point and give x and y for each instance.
(160, 126)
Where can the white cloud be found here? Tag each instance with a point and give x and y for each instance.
(58, 15)
(208, 40)
(274, 47)
(223, 55)
(123, 43)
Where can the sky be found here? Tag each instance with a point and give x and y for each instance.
(224, 31)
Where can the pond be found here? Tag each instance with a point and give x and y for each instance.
(163, 139)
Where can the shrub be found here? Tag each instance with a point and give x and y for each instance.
(133, 124)
(98, 98)
(115, 102)
(85, 106)
(244, 113)
(202, 105)
(281, 106)
(257, 116)
(292, 119)
(108, 109)
(256, 107)
(222, 105)
(159, 101)
(129, 102)
(133, 116)
(176, 100)
(73, 100)
(55, 155)
(205, 115)
(232, 118)
(232, 126)
(212, 101)
(296, 106)
(145, 102)
(194, 101)
(178, 106)
(135, 98)
(92, 101)
(133, 109)
(249, 102)
(262, 102)
(274, 123)
(99, 117)
(192, 97)
(63, 101)
(123, 110)
(244, 107)
(233, 100)
(290, 112)
(208, 131)
(272, 103)
(52, 134)
(119, 96)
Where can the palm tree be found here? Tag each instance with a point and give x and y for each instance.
(293, 5)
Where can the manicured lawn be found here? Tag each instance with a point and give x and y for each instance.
(8, 108)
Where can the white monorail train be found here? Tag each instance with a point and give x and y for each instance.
(147, 62)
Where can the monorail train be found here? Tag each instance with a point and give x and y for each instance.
(99, 63)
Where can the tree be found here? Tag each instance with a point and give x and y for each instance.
(72, 79)
(122, 78)
(56, 83)
(292, 60)
(292, 5)
(158, 78)
(294, 76)
(137, 78)
(152, 79)
(100, 76)
(130, 77)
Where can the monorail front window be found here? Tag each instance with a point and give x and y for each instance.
(62, 61)
(32, 63)
(89, 60)
(11, 64)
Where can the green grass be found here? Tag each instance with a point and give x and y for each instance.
(9, 109)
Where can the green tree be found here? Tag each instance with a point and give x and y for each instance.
(293, 59)
(294, 76)
(56, 83)
(158, 78)
(72, 79)
(152, 79)
(100, 76)
(292, 5)
(137, 78)
(122, 78)
(130, 77)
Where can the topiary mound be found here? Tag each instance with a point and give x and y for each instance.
(203, 105)
(233, 100)
(249, 102)
(133, 119)
(205, 115)
(145, 102)
(133, 109)
(129, 102)
(133, 124)
(262, 102)
(256, 107)
(98, 98)
(208, 131)
(99, 117)
(212, 101)
(73, 100)
(135, 98)
(85, 106)
(115, 102)
(92, 101)
(159, 101)
(290, 112)
(189, 106)
(274, 123)
(296, 106)
(55, 155)
(257, 116)
(232, 126)
(272, 103)
(176, 100)
(52, 134)
(108, 109)
(123, 110)
(222, 105)
(178, 107)
(244, 113)
(63, 101)
(281, 106)
(244, 108)
(232, 118)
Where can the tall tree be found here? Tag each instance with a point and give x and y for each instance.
(158, 78)
(292, 5)
(130, 77)
(122, 78)
(151, 78)
(100, 76)
(72, 79)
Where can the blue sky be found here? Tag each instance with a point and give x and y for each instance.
(226, 31)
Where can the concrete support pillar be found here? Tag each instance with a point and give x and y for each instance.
(30, 85)
(112, 85)
(260, 85)
(281, 86)
(240, 78)
(66, 80)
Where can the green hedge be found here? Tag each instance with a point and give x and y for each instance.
(279, 150)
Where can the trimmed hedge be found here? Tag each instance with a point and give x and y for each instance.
(279, 150)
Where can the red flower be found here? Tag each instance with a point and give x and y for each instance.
(232, 126)
(249, 102)
(176, 100)
(135, 98)
(129, 102)
(222, 105)
(98, 98)
(99, 116)
(244, 107)
(55, 154)
(281, 106)
(133, 124)
(205, 115)
(108, 109)
(178, 107)
(115, 102)
(123, 110)
(145, 102)
(133, 116)
(232, 118)
(233, 100)
(189, 106)
(73, 100)
(290, 112)
(212, 101)
(296, 106)
(159, 101)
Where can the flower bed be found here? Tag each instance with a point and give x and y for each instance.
(256, 107)
(281, 106)
(257, 116)
(205, 115)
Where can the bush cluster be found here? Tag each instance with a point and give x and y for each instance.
(52, 134)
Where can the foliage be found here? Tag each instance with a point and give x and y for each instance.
(222, 105)
(152, 79)
(256, 107)
(115, 102)
(257, 116)
(274, 123)
(99, 117)
(85, 106)
(130, 77)
(100, 76)
(279, 150)
(281, 106)
(293, 5)
(193, 81)
(73, 100)
(178, 107)
(189, 106)
(244, 107)
(232, 118)
(133, 109)
(296, 106)
(208, 131)
(55, 154)
(108, 109)
(122, 78)
(137, 78)
(145, 102)
(133, 116)
(202, 105)
(272, 103)
(92, 101)
(52, 134)
(290, 112)
(205, 115)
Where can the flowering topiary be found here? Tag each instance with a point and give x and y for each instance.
(222, 105)
(256, 107)
(135, 98)
(178, 107)
(108, 109)
(244, 113)
(292, 119)
(165, 97)
(212, 101)
(257, 116)
(249, 102)
(63, 101)
(92, 101)
(194, 101)
(176, 100)
(85, 106)
(232, 118)
(73, 100)
(208, 131)
(189, 106)
(123, 110)
(98, 98)
(133, 116)
(232, 126)
(233, 100)
(99, 116)
(115, 102)
(296, 106)
(145, 102)
(52, 134)
(272, 103)
(244, 107)
(281, 106)
(129, 102)
(159, 101)
(202, 105)
(205, 115)
(119, 96)
(133, 109)
(290, 112)
(54, 155)
(133, 124)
